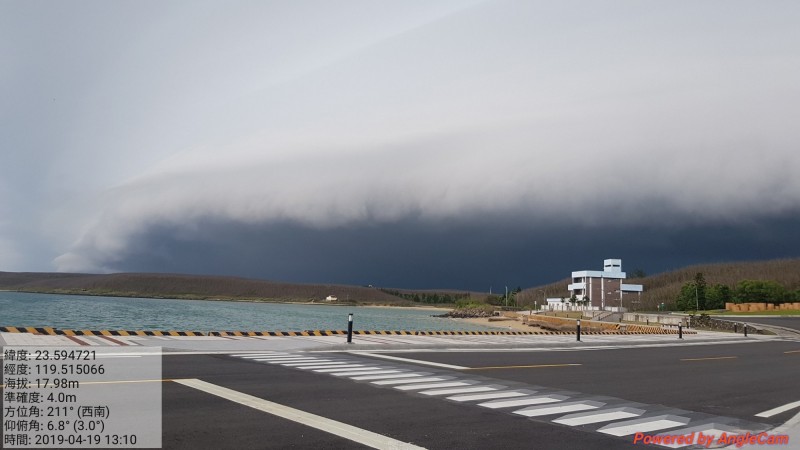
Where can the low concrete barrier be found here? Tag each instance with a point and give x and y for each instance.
(593, 327)
(567, 329)
(661, 319)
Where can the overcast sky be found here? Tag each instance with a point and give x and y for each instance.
(420, 144)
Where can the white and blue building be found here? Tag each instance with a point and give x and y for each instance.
(600, 290)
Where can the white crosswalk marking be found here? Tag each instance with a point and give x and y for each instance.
(538, 400)
(409, 380)
(564, 407)
(286, 359)
(384, 377)
(444, 384)
(620, 418)
(365, 372)
(349, 368)
(338, 366)
(308, 363)
(603, 415)
(644, 425)
(490, 396)
(323, 366)
(459, 390)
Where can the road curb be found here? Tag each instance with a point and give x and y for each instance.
(64, 332)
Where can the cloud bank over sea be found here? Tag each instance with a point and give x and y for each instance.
(476, 139)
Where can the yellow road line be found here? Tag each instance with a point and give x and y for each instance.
(709, 359)
(523, 367)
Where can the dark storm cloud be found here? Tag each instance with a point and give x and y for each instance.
(470, 256)
(413, 143)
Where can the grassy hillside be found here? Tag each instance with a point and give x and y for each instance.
(665, 287)
(191, 287)
(658, 288)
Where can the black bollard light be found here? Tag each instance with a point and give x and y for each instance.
(736, 328)
(578, 331)
(745, 330)
(350, 328)
(680, 331)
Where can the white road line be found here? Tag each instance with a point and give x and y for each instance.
(538, 400)
(306, 363)
(490, 396)
(384, 377)
(322, 366)
(627, 427)
(286, 359)
(409, 360)
(278, 361)
(344, 430)
(305, 360)
(536, 411)
(444, 384)
(347, 369)
(337, 366)
(603, 415)
(459, 390)
(778, 410)
(365, 372)
(331, 362)
(409, 380)
(256, 355)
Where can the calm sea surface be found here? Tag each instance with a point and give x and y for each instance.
(89, 312)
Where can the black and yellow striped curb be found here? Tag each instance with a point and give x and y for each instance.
(59, 332)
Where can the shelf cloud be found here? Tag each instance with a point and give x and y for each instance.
(157, 138)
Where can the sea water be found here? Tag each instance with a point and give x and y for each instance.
(82, 312)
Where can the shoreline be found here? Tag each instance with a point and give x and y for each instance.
(242, 300)
(442, 309)
(506, 325)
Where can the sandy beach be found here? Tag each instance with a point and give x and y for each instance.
(433, 309)
(507, 325)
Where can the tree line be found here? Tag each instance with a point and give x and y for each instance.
(428, 297)
(698, 295)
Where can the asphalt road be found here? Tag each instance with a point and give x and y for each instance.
(193, 419)
(786, 322)
(730, 380)
(711, 383)
(734, 381)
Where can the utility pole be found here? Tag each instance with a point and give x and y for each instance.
(544, 297)
(696, 298)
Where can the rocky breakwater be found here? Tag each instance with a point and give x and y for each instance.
(468, 313)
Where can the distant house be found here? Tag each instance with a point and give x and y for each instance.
(602, 290)
(330, 298)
